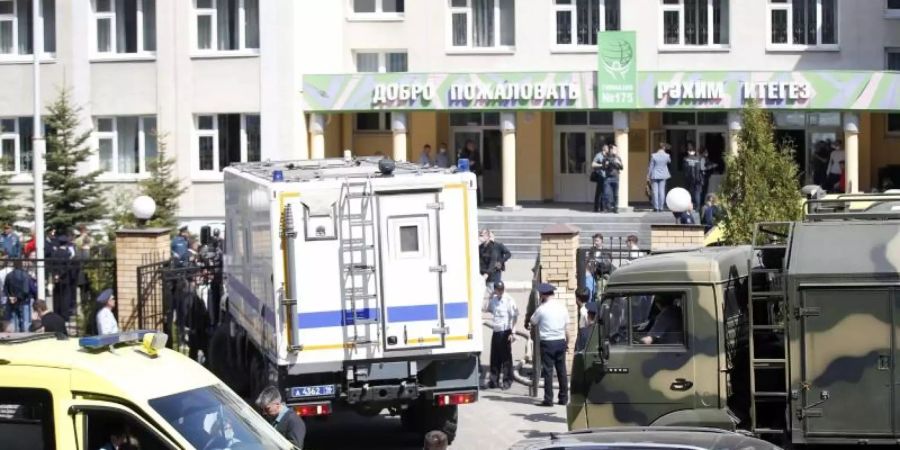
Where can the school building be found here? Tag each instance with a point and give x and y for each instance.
(538, 92)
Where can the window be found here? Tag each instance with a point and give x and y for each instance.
(224, 139)
(26, 419)
(100, 424)
(16, 23)
(381, 61)
(892, 59)
(227, 25)
(604, 118)
(409, 238)
(482, 23)
(893, 9)
(646, 319)
(803, 23)
(16, 144)
(695, 23)
(578, 21)
(124, 26)
(893, 123)
(125, 144)
(489, 119)
(378, 7)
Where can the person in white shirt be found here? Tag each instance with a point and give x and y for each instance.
(505, 313)
(834, 166)
(552, 322)
(106, 321)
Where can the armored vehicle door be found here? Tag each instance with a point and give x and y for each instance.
(411, 270)
(846, 358)
(651, 356)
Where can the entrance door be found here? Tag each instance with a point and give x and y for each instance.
(488, 144)
(679, 140)
(574, 152)
(818, 139)
(492, 164)
(411, 292)
(714, 143)
(847, 342)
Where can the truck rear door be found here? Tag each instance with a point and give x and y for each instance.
(410, 270)
(847, 385)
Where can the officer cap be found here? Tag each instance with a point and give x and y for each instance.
(105, 296)
(546, 289)
(499, 285)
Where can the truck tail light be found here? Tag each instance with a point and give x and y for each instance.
(313, 409)
(455, 398)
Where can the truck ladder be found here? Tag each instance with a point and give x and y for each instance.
(359, 296)
(768, 318)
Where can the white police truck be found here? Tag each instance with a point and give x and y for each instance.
(352, 283)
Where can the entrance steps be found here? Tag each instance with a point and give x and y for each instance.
(520, 230)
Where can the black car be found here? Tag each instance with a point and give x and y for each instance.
(646, 438)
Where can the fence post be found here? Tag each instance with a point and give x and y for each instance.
(133, 248)
(675, 237)
(559, 245)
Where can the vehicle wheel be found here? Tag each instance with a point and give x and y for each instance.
(441, 418)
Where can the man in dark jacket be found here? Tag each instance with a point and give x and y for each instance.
(281, 417)
(492, 258)
(50, 322)
(693, 173)
(17, 288)
(613, 165)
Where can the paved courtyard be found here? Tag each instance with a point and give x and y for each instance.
(496, 421)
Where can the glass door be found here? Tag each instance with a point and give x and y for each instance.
(574, 153)
(492, 164)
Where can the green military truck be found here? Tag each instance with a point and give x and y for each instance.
(795, 338)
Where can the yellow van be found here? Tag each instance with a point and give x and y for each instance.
(118, 391)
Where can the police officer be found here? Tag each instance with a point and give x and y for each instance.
(106, 321)
(693, 173)
(552, 322)
(180, 247)
(505, 314)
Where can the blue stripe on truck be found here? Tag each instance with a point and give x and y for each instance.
(411, 313)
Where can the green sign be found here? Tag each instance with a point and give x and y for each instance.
(617, 72)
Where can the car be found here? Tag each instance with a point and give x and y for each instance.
(646, 438)
(66, 393)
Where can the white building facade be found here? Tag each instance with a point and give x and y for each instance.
(246, 80)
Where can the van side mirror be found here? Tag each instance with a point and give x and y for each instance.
(603, 330)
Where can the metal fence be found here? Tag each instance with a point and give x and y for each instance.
(72, 285)
(600, 263)
(182, 301)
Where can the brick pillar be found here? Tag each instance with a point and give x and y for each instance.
(134, 248)
(559, 244)
(676, 237)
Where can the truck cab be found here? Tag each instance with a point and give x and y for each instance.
(123, 390)
(659, 355)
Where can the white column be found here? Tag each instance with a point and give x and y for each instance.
(620, 123)
(317, 133)
(508, 128)
(398, 127)
(734, 128)
(851, 149)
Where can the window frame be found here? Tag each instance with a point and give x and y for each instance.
(378, 16)
(572, 7)
(141, 53)
(30, 393)
(383, 57)
(790, 46)
(215, 174)
(891, 13)
(682, 46)
(469, 48)
(14, 56)
(17, 148)
(113, 135)
(213, 14)
(629, 345)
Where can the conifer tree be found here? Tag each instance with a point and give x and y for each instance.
(760, 182)
(71, 197)
(9, 209)
(163, 186)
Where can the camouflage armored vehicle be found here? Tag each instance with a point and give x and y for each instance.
(796, 338)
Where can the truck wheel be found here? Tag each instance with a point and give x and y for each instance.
(441, 418)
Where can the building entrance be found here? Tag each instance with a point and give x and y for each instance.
(483, 131)
(578, 137)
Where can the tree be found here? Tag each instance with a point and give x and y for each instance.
(760, 181)
(162, 186)
(71, 197)
(9, 210)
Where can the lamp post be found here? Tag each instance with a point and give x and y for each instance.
(37, 148)
(143, 208)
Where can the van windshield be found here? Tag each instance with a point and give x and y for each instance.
(213, 418)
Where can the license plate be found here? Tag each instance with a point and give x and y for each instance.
(312, 391)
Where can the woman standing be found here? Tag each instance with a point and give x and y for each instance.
(657, 174)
